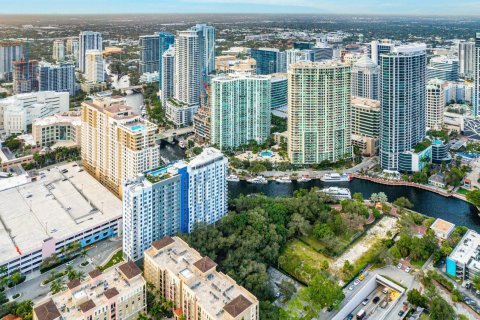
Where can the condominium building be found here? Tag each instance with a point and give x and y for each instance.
(365, 124)
(269, 60)
(279, 90)
(435, 103)
(168, 75)
(116, 293)
(149, 53)
(378, 48)
(319, 111)
(444, 68)
(476, 77)
(402, 101)
(173, 198)
(166, 40)
(466, 58)
(25, 76)
(464, 260)
(192, 282)
(62, 129)
(365, 79)
(297, 55)
(231, 64)
(72, 47)
(18, 111)
(207, 39)
(57, 77)
(9, 52)
(88, 40)
(58, 50)
(239, 110)
(94, 67)
(117, 144)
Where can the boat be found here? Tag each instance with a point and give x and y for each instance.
(181, 144)
(258, 180)
(233, 178)
(337, 193)
(304, 179)
(283, 180)
(335, 177)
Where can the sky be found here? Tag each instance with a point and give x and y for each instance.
(407, 7)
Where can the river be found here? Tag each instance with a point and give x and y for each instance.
(431, 204)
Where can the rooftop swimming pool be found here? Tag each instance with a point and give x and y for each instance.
(266, 154)
(157, 172)
(137, 127)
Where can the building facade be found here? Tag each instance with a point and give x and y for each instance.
(9, 52)
(402, 102)
(57, 77)
(149, 47)
(466, 58)
(476, 77)
(269, 60)
(365, 125)
(25, 76)
(94, 67)
(64, 128)
(365, 79)
(319, 111)
(165, 41)
(117, 144)
(197, 289)
(119, 292)
(380, 47)
(279, 90)
(58, 50)
(444, 68)
(239, 110)
(168, 75)
(435, 103)
(88, 40)
(207, 38)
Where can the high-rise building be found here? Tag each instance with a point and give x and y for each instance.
(303, 45)
(187, 79)
(165, 41)
(173, 198)
(88, 40)
(117, 144)
(17, 112)
(319, 111)
(435, 103)
(279, 90)
(466, 58)
(365, 124)
(476, 77)
(56, 77)
(58, 50)
(296, 55)
(239, 110)
(72, 46)
(167, 75)
(207, 39)
(269, 60)
(444, 68)
(379, 47)
(63, 127)
(149, 53)
(94, 67)
(192, 282)
(402, 101)
(9, 52)
(119, 292)
(25, 76)
(365, 79)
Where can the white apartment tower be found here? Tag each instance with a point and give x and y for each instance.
(88, 40)
(365, 79)
(466, 58)
(168, 74)
(58, 51)
(435, 103)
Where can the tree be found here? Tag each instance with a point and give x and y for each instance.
(474, 197)
(476, 281)
(379, 197)
(417, 299)
(403, 202)
(347, 268)
(287, 290)
(440, 309)
(24, 310)
(57, 285)
(298, 226)
(357, 196)
(268, 311)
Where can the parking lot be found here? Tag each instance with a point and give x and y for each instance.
(377, 303)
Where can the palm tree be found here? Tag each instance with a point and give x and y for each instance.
(70, 272)
(3, 271)
(57, 286)
(83, 253)
(78, 275)
(52, 276)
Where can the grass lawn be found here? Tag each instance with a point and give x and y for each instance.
(463, 191)
(418, 264)
(301, 261)
(340, 245)
(116, 258)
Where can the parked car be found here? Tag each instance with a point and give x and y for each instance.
(350, 288)
(365, 301)
(356, 282)
(407, 270)
(385, 290)
(401, 313)
(399, 266)
(376, 299)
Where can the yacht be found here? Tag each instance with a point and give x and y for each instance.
(335, 177)
(304, 179)
(233, 178)
(284, 180)
(258, 180)
(181, 144)
(337, 193)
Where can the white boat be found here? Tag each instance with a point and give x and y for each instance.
(337, 193)
(181, 144)
(283, 180)
(335, 177)
(304, 179)
(258, 180)
(233, 178)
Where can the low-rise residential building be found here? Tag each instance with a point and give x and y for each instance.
(116, 293)
(64, 128)
(464, 261)
(437, 180)
(197, 289)
(414, 161)
(443, 229)
(173, 198)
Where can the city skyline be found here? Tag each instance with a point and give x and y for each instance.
(408, 7)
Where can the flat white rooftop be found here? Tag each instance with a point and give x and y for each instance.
(467, 248)
(56, 205)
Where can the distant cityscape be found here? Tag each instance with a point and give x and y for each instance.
(124, 141)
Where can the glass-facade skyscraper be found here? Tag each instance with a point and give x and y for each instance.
(269, 60)
(165, 40)
(88, 40)
(402, 102)
(476, 76)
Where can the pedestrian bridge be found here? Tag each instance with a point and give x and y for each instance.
(171, 134)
